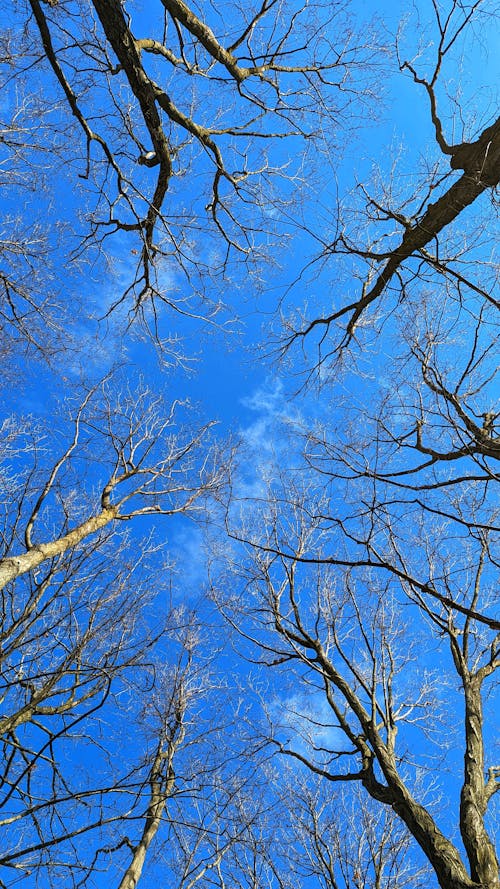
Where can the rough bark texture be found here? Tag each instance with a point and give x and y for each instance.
(178, 10)
(474, 799)
(442, 854)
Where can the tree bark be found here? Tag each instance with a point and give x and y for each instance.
(161, 783)
(442, 854)
(13, 566)
(473, 798)
(480, 161)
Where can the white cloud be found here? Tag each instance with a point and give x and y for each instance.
(266, 439)
(305, 726)
(189, 553)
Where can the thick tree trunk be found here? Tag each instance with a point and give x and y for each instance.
(473, 800)
(118, 33)
(441, 853)
(13, 566)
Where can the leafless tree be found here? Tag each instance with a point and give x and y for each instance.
(187, 792)
(31, 316)
(177, 120)
(364, 578)
(386, 242)
(343, 839)
(137, 483)
(373, 567)
(77, 632)
(372, 575)
(332, 612)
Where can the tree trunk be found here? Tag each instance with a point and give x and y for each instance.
(473, 799)
(13, 566)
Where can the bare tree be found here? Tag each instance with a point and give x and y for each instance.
(372, 569)
(331, 611)
(395, 240)
(181, 768)
(137, 484)
(371, 585)
(364, 577)
(76, 626)
(372, 573)
(342, 839)
(177, 120)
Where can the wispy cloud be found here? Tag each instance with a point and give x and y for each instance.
(266, 439)
(304, 725)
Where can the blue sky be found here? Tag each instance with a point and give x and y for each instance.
(231, 374)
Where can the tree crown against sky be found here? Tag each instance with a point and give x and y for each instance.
(261, 655)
